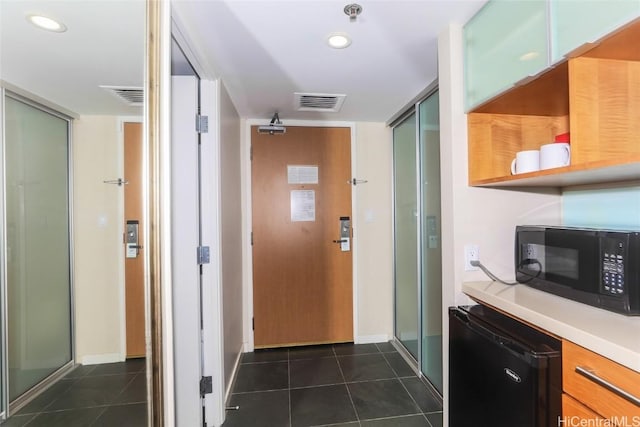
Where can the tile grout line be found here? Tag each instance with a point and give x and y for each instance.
(398, 378)
(125, 387)
(389, 364)
(99, 415)
(44, 409)
(407, 390)
(414, 401)
(355, 411)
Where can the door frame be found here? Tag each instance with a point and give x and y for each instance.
(121, 120)
(247, 226)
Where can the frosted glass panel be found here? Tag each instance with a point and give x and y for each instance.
(37, 233)
(431, 241)
(406, 234)
(576, 22)
(504, 43)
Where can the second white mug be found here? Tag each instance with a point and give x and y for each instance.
(525, 161)
(555, 155)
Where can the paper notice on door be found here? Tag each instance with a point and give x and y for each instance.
(303, 205)
(302, 174)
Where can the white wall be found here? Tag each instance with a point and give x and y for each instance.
(373, 232)
(97, 228)
(231, 221)
(483, 216)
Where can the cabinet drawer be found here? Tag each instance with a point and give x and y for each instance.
(574, 410)
(594, 392)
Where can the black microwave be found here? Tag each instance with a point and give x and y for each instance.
(593, 266)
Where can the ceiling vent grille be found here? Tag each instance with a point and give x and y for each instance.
(318, 102)
(133, 96)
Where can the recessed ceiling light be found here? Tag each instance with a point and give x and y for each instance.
(339, 40)
(47, 23)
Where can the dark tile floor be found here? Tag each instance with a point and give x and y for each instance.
(112, 394)
(367, 385)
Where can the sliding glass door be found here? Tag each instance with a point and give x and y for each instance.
(431, 252)
(406, 234)
(36, 238)
(417, 253)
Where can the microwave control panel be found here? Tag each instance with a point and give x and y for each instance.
(613, 261)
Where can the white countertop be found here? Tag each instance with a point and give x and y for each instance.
(612, 335)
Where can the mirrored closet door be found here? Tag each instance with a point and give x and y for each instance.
(36, 261)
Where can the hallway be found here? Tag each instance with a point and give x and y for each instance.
(332, 385)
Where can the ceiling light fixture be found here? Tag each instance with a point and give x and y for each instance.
(339, 40)
(46, 23)
(353, 10)
(274, 127)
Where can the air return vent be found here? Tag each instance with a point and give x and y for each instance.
(318, 102)
(133, 96)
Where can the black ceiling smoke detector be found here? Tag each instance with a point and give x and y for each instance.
(274, 127)
(353, 10)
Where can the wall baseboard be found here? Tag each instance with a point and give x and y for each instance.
(232, 383)
(248, 347)
(97, 359)
(370, 339)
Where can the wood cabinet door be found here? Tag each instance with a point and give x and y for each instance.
(302, 279)
(584, 374)
(574, 411)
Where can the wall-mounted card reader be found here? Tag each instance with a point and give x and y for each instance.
(131, 239)
(345, 234)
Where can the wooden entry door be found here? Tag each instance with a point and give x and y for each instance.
(134, 265)
(302, 279)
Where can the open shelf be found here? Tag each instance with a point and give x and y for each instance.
(606, 171)
(594, 95)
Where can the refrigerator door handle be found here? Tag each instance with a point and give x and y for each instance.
(500, 339)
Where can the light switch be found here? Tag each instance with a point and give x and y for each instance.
(369, 216)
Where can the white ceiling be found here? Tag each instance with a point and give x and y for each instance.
(104, 45)
(263, 50)
(267, 50)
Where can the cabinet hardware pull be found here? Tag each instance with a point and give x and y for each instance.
(587, 373)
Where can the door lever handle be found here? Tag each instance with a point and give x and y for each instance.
(340, 241)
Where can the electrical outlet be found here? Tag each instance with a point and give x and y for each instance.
(471, 253)
(529, 251)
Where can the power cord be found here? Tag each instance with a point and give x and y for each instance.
(492, 276)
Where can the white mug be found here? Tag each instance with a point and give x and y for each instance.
(555, 155)
(525, 161)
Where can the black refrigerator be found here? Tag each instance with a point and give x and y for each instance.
(501, 371)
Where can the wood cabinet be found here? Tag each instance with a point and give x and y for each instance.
(505, 42)
(595, 387)
(595, 96)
